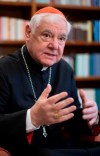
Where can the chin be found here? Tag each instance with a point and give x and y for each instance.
(48, 64)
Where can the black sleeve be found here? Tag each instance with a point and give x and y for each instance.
(12, 125)
(4, 93)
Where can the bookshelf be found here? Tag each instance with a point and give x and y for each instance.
(16, 9)
(25, 10)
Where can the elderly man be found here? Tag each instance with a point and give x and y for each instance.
(38, 96)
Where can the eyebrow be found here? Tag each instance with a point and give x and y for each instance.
(48, 31)
(63, 34)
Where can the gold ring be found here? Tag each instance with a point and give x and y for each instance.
(56, 115)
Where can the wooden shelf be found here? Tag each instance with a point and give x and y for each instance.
(71, 46)
(72, 12)
(82, 46)
(16, 9)
(8, 47)
(20, 4)
(11, 42)
(88, 82)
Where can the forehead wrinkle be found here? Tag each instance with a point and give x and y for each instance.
(52, 21)
(50, 31)
(51, 27)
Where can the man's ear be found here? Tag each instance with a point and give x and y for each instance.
(27, 31)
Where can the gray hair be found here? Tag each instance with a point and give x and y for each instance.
(36, 19)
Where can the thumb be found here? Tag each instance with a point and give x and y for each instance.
(46, 91)
(83, 96)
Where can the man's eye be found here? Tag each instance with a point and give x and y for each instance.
(62, 39)
(46, 35)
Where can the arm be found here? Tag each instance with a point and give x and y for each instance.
(12, 125)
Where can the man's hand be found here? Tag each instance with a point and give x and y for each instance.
(90, 109)
(51, 110)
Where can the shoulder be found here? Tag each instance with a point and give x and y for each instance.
(9, 61)
(64, 66)
(10, 57)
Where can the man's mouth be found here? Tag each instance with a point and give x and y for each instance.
(51, 54)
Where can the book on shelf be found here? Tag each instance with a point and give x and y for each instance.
(82, 65)
(95, 64)
(12, 28)
(97, 97)
(43, 1)
(96, 30)
(87, 64)
(81, 31)
(76, 2)
(95, 2)
(79, 65)
(8, 0)
(63, 2)
(16, 0)
(89, 31)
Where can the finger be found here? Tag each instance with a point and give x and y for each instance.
(88, 110)
(88, 116)
(54, 99)
(61, 118)
(67, 110)
(83, 96)
(64, 114)
(66, 117)
(63, 103)
(92, 121)
(46, 91)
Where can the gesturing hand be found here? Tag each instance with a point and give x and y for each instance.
(51, 110)
(90, 109)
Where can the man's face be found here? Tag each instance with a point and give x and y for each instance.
(46, 44)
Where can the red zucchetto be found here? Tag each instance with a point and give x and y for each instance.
(49, 10)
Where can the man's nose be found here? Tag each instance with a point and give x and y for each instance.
(54, 44)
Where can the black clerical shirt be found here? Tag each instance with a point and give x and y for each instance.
(16, 97)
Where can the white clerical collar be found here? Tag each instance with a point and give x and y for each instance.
(44, 68)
